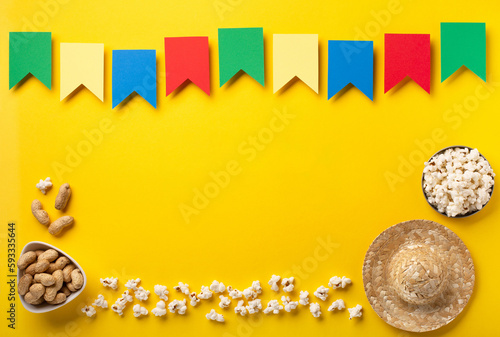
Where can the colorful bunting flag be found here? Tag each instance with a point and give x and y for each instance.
(463, 44)
(82, 64)
(187, 58)
(408, 55)
(350, 62)
(134, 71)
(30, 52)
(241, 49)
(295, 55)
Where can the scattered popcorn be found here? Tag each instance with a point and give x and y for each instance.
(252, 292)
(205, 293)
(217, 287)
(274, 307)
(289, 305)
(458, 181)
(160, 309)
(273, 282)
(224, 301)
(194, 300)
(355, 312)
(183, 288)
(287, 284)
(44, 185)
(304, 297)
(110, 282)
(240, 308)
(139, 311)
(132, 284)
(321, 293)
(89, 310)
(256, 287)
(126, 297)
(100, 302)
(337, 282)
(315, 309)
(118, 308)
(212, 315)
(337, 305)
(234, 293)
(122, 302)
(179, 306)
(161, 291)
(254, 306)
(141, 294)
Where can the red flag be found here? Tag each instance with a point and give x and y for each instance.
(186, 58)
(408, 55)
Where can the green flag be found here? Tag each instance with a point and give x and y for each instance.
(463, 44)
(241, 49)
(30, 53)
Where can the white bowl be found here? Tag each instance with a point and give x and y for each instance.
(45, 307)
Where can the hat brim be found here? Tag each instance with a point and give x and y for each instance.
(382, 295)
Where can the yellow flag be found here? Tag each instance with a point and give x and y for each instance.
(295, 55)
(82, 63)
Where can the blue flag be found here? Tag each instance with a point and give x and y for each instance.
(134, 71)
(350, 62)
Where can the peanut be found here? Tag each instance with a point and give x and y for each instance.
(52, 268)
(57, 226)
(31, 269)
(41, 215)
(26, 259)
(60, 298)
(67, 272)
(30, 299)
(59, 264)
(63, 196)
(36, 290)
(66, 291)
(45, 279)
(71, 287)
(41, 266)
(51, 292)
(76, 279)
(24, 284)
(49, 255)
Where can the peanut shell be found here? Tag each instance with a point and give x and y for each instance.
(63, 197)
(26, 259)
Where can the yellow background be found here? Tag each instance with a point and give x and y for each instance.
(322, 178)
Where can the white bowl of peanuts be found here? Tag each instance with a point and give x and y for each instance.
(49, 282)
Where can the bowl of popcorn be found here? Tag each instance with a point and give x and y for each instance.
(48, 278)
(458, 181)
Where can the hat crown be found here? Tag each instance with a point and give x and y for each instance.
(417, 273)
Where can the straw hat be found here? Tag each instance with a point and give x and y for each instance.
(418, 275)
